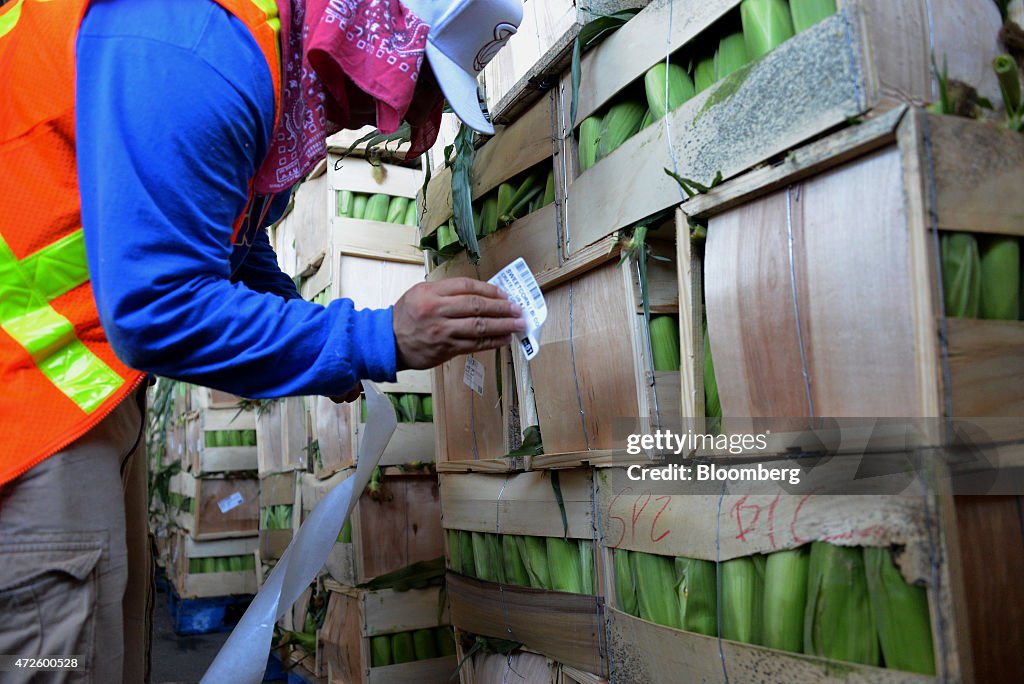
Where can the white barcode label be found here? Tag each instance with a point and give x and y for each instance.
(517, 280)
(473, 376)
(230, 502)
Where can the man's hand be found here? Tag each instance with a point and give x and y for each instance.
(434, 322)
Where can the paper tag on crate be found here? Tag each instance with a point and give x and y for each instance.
(517, 280)
(230, 502)
(473, 376)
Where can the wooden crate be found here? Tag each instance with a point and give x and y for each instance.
(356, 615)
(176, 441)
(342, 141)
(205, 460)
(563, 626)
(852, 224)
(521, 146)
(282, 435)
(207, 584)
(402, 528)
(519, 667)
(278, 489)
(206, 398)
(239, 497)
(594, 358)
(868, 57)
(541, 49)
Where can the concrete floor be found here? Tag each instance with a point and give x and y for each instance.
(179, 659)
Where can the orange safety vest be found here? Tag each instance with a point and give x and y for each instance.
(59, 376)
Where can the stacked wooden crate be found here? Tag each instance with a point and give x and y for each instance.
(396, 521)
(820, 285)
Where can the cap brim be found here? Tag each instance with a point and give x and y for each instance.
(459, 89)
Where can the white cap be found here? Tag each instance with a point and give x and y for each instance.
(464, 36)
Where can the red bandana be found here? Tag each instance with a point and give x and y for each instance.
(347, 64)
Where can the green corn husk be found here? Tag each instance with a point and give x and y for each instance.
(731, 55)
(345, 203)
(409, 406)
(766, 25)
(235, 564)
(807, 13)
(195, 566)
(838, 621)
(445, 641)
(380, 651)
(515, 569)
(534, 554)
(494, 549)
(448, 239)
(648, 120)
(625, 588)
(345, 536)
(489, 215)
(248, 562)
(377, 207)
(402, 649)
(665, 343)
(785, 599)
(397, 209)
(619, 124)
(1000, 278)
(506, 192)
(590, 136)
(359, 201)
(423, 644)
(468, 563)
(427, 408)
(712, 404)
(1008, 75)
(530, 188)
(586, 548)
(901, 615)
(393, 398)
(704, 74)
(742, 597)
(564, 563)
(656, 595)
(410, 214)
(249, 438)
(483, 558)
(454, 550)
(961, 274)
(549, 189)
(222, 564)
(697, 589)
(680, 88)
(478, 227)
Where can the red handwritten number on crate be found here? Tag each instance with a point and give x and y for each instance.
(636, 515)
(747, 515)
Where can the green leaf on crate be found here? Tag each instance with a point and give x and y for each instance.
(375, 138)
(533, 444)
(693, 188)
(556, 487)
(590, 35)
(416, 576)
(462, 191)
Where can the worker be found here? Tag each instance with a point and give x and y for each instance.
(144, 147)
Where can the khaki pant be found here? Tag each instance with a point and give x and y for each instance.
(75, 571)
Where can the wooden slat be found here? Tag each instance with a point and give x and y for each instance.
(519, 667)
(373, 283)
(521, 503)
(357, 175)
(225, 459)
(473, 425)
(211, 523)
(433, 671)
(231, 418)
(987, 371)
(376, 240)
(387, 611)
(566, 627)
(340, 142)
(340, 639)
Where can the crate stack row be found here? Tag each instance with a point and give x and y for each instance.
(807, 264)
(351, 233)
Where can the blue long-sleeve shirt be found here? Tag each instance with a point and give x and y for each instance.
(175, 109)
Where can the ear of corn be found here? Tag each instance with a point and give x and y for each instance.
(402, 648)
(380, 651)
(838, 621)
(345, 536)
(427, 408)
(468, 562)
(731, 55)
(533, 551)
(345, 203)
(656, 588)
(807, 13)
(377, 207)
(1009, 82)
(680, 88)
(454, 550)
(665, 343)
(410, 214)
(397, 208)
(785, 599)
(704, 74)
(590, 136)
(423, 644)
(625, 589)
(1000, 278)
(518, 205)
(766, 25)
(515, 569)
(961, 274)
(489, 215)
(409, 407)
(447, 239)
(901, 615)
(620, 123)
(483, 557)
(697, 589)
(359, 205)
(564, 565)
(586, 548)
(445, 641)
(549, 189)
(712, 404)
(506, 194)
(742, 596)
